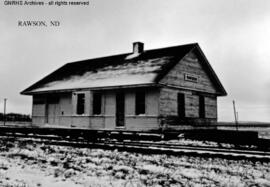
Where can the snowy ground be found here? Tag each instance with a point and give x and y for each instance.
(27, 165)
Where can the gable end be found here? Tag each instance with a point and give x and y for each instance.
(193, 72)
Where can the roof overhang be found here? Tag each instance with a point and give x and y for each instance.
(93, 88)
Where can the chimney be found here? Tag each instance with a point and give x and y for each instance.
(137, 47)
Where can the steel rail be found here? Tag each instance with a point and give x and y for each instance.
(152, 143)
(149, 147)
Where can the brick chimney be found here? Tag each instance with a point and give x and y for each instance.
(137, 47)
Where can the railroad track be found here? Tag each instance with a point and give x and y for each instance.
(145, 147)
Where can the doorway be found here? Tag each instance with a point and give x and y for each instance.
(120, 109)
(52, 110)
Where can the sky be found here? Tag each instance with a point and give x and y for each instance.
(234, 35)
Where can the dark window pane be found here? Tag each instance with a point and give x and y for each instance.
(140, 103)
(97, 103)
(80, 103)
(201, 107)
(181, 105)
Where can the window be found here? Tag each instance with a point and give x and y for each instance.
(140, 103)
(191, 78)
(181, 105)
(97, 103)
(201, 106)
(80, 103)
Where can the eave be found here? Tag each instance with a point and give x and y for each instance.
(92, 88)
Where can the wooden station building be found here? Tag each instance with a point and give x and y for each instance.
(172, 87)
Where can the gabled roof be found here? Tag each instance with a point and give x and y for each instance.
(124, 70)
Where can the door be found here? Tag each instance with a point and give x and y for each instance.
(201, 106)
(181, 105)
(52, 111)
(120, 109)
(53, 114)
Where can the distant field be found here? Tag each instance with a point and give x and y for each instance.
(244, 126)
(245, 123)
(263, 128)
(10, 123)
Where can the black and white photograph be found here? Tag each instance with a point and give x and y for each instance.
(134, 93)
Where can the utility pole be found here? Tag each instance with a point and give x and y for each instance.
(235, 116)
(5, 103)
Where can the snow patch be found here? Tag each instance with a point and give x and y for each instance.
(128, 73)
